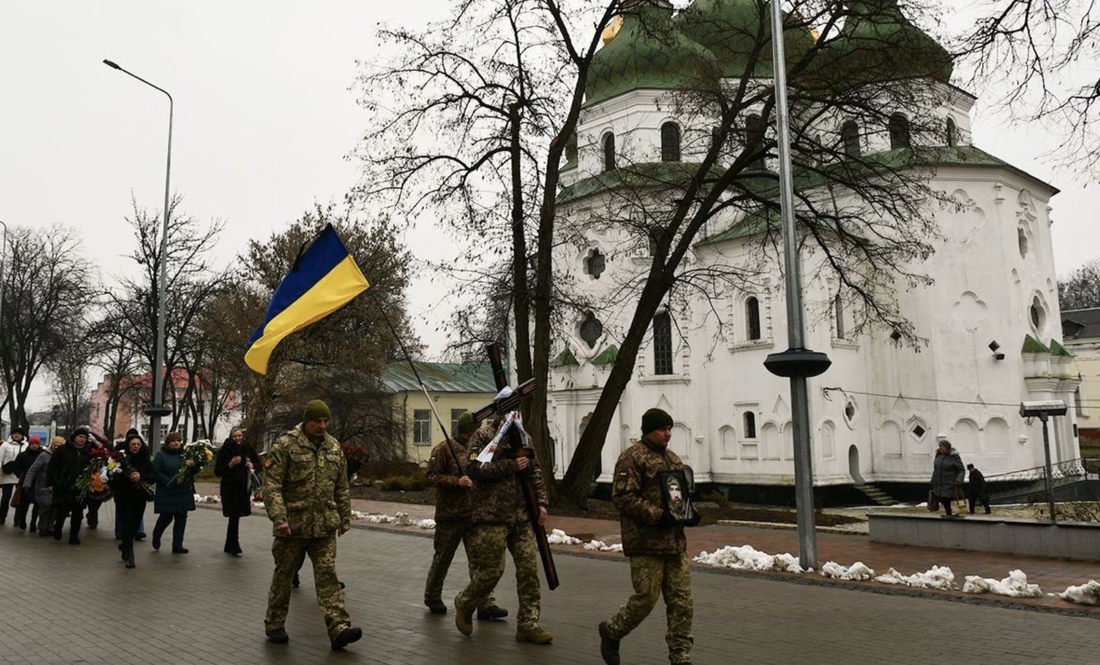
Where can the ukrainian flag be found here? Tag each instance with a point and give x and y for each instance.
(322, 280)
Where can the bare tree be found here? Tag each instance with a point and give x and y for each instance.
(69, 379)
(1040, 58)
(1081, 290)
(49, 290)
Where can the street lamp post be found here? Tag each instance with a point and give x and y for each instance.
(158, 409)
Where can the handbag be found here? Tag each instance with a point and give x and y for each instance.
(933, 502)
(17, 495)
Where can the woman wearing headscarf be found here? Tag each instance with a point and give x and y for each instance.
(131, 488)
(173, 500)
(948, 473)
(121, 447)
(236, 460)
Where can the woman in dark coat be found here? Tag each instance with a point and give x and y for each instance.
(173, 500)
(132, 491)
(947, 474)
(62, 474)
(235, 460)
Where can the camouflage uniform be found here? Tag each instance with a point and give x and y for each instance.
(306, 486)
(658, 560)
(501, 522)
(452, 512)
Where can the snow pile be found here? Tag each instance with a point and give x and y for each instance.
(400, 519)
(936, 578)
(427, 523)
(1085, 594)
(600, 546)
(559, 537)
(1015, 586)
(748, 558)
(202, 498)
(857, 571)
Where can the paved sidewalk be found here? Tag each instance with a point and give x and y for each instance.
(65, 604)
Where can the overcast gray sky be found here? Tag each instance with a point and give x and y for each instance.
(263, 119)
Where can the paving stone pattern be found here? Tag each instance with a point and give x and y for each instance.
(65, 604)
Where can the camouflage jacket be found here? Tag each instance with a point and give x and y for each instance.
(306, 485)
(637, 494)
(452, 503)
(497, 496)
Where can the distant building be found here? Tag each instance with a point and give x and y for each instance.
(1081, 335)
(454, 387)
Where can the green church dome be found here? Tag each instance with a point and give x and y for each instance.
(738, 33)
(648, 52)
(877, 43)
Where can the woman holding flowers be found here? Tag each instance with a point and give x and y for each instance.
(235, 464)
(131, 475)
(175, 490)
(64, 474)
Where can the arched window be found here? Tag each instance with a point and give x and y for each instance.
(662, 344)
(754, 141)
(838, 306)
(899, 131)
(750, 425)
(952, 133)
(670, 142)
(591, 330)
(752, 317)
(595, 264)
(608, 152)
(849, 134)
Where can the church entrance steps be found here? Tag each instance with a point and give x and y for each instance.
(876, 495)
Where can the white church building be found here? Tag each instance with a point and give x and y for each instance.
(990, 318)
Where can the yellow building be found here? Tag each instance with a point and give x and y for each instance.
(1081, 336)
(454, 388)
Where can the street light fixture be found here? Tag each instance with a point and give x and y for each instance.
(158, 409)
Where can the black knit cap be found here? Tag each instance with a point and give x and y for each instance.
(655, 419)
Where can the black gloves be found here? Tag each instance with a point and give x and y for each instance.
(694, 519)
(667, 520)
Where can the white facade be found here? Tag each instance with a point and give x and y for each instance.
(994, 281)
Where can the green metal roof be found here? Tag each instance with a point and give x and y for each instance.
(1032, 345)
(565, 359)
(1057, 349)
(440, 377)
(607, 357)
(643, 174)
(739, 34)
(649, 52)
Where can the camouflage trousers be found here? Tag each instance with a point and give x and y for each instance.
(486, 551)
(448, 535)
(289, 555)
(653, 576)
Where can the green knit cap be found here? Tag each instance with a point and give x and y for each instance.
(466, 424)
(315, 410)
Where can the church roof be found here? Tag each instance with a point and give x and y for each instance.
(738, 32)
(1081, 324)
(643, 174)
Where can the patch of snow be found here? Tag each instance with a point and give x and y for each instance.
(1085, 594)
(207, 498)
(857, 571)
(600, 546)
(935, 578)
(1015, 586)
(400, 519)
(559, 537)
(746, 557)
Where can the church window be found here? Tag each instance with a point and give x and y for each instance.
(595, 264)
(850, 411)
(1021, 240)
(899, 131)
(752, 318)
(609, 152)
(750, 425)
(849, 134)
(571, 149)
(591, 330)
(952, 133)
(422, 427)
(662, 344)
(838, 306)
(670, 142)
(1038, 315)
(918, 431)
(754, 141)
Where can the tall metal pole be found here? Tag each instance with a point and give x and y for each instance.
(158, 409)
(800, 416)
(1050, 472)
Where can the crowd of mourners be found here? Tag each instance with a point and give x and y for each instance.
(44, 487)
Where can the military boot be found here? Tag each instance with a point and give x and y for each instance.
(491, 613)
(609, 647)
(534, 634)
(463, 617)
(436, 606)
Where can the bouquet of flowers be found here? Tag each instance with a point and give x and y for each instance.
(119, 465)
(199, 453)
(356, 456)
(93, 481)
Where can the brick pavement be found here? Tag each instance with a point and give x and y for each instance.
(63, 604)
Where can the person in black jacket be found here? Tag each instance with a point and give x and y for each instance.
(132, 488)
(62, 474)
(977, 492)
(122, 446)
(236, 459)
(23, 462)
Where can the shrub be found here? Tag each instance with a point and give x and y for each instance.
(411, 483)
(718, 498)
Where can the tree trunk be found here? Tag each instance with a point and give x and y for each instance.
(520, 302)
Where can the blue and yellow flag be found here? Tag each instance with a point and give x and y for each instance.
(322, 280)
